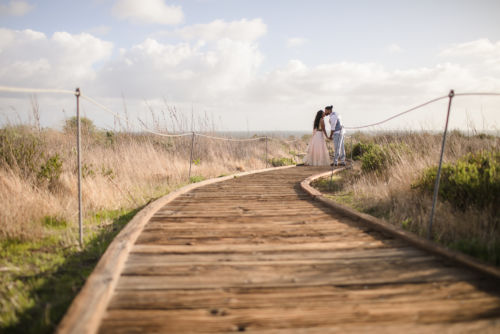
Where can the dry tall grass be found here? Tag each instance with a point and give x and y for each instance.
(389, 194)
(120, 171)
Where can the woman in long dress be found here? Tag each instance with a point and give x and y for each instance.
(317, 152)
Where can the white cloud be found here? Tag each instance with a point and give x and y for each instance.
(482, 47)
(475, 65)
(242, 30)
(15, 8)
(468, 54)
(148, 11)
(369, 92)
(182, 71)
(30, 58)
(394, 48)
(295, 42)
(192, 70)
(225, 75)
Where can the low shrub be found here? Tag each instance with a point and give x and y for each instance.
(278, 162)
(472, 180)
(21, 149)
(359, 149)
(51, 170)
(87, 127)
(374, 160)
(196, 178)
(376, 157)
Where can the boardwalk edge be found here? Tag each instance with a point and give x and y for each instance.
(88, 307)
(383, 226)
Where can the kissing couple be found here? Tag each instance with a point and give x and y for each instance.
(317, 152)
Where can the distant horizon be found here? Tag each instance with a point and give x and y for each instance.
(282, 133)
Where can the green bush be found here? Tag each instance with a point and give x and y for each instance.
(472, 180)
(277, 162)
(21, 149)
(196, 178)
(51, 170)
(375, 159)
(359, 149)
(86, 126)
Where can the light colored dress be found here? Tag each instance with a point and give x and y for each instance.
(317, 152)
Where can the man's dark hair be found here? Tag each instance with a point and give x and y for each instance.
(328, 107)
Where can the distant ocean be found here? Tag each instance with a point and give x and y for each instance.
(299, 134)
(248, 134)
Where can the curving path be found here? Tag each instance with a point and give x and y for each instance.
(257, 254)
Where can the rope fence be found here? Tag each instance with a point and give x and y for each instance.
(418, 107)
(450, 97)
(77, 93)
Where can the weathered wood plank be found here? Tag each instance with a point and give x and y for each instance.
(266, 247)
(231, 237)
(313, 267)
(292, 219)
(239, 297)
(204, 227)
(275, 255)
(207, 321)
(489, 326)
(204, 277)
(254, 253)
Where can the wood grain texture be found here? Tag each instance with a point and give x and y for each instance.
(257, 254)
(86, 310)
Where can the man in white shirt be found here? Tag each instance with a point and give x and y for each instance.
(337, 133)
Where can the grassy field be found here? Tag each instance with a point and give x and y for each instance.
(393, 178)
(41, 265)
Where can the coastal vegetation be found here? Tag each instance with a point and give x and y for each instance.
(394, 175)
(42, 266)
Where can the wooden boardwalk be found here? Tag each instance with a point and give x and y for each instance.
(257, 254)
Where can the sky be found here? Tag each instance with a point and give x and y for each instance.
(255, 65)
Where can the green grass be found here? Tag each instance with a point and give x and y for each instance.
(328, 184)
(333, 188)
(278, 162)
(196, 179)
(477, 249)
(39, 279)
(54, 223)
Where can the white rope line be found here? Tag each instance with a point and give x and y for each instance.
(420, 106)
(285, 141)
(477, 94)
(230, 139)
(397, 115)
(35, 90)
